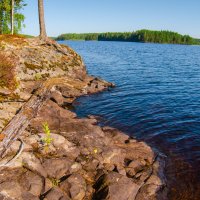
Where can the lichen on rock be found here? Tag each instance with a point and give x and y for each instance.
(83, 161)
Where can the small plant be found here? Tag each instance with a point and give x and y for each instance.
(38, 76)
(48, 139)
(55, 182)
(95, 150)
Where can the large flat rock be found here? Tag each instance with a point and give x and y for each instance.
(74, 158)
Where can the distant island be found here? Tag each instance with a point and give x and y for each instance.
(144, 35)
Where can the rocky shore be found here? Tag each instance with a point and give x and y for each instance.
(48, 152)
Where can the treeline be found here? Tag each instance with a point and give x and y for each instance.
(168, 37)
(79, 36)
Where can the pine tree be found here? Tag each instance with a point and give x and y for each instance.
(43, 34)
(12, 16)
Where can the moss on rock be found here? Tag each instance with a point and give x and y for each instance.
(23, 60)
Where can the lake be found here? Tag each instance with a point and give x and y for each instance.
(156, 99)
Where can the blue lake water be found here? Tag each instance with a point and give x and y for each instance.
(157, 99)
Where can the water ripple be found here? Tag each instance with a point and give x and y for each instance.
(157, 99)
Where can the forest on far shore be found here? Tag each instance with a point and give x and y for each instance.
(144, 35)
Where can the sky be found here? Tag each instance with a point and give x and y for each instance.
(83, 16)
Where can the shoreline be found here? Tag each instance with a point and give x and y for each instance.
(74, 158)
(128, 42)
(93, 153)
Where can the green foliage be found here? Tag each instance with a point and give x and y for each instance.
(5, 9)
(127, 36)
(197, 41)
(91, 36)
(48, 139)
(144, 35)
(38, 76)
(55, 182)
(81, 36)
(163, 37)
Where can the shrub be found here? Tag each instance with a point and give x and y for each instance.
(13, 39)
(7, 72)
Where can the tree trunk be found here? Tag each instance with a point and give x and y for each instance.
(1, 17)
(1, 22)
(43, 34)
(12, 16)
(21, 120)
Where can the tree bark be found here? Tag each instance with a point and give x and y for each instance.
(20, 121)
(1, 22)
(12, 16)
(43, 34)
(1, 17)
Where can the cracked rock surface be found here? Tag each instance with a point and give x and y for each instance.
(80, 161)
(84, 161)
